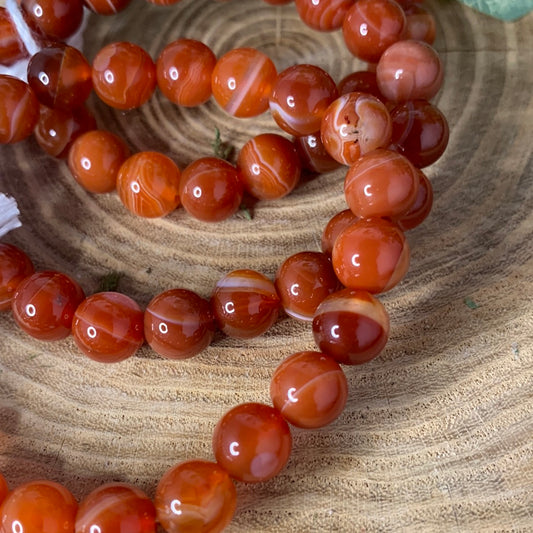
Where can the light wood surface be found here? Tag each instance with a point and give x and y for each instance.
(436, 435)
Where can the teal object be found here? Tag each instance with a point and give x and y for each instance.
(502, 9)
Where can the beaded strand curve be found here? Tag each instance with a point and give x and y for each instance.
(354, 242)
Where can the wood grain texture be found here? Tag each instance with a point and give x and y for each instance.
(436, 435)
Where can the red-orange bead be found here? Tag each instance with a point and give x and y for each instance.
(60, 77)
(57, 130)
(371, 26)
(38, 507)
(420, 24)
(422, 206)
(195, 496)
(353, 125)
(351, 326)
(95, 158)
(4, 489)
(44, 304)
(300, 98)
(19, 110)
(420, 132)
(360, 81)
(11, 47)
(148, 184)
(242, 82)
(323, 15)
(15, 265)
(270, 166)
(245, 303)
(309, 389)
(252, 442)
(178, 324)
(124, 75)
(116, 507)
(108, 327)
(55, 19)
(334, 226)
(107, 7)
(409, 70)
(184, 70)
(371, 255)
(381, 183)
(210, 189)
(313, 155)
(303, 281)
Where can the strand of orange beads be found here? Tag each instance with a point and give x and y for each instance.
(350, 326)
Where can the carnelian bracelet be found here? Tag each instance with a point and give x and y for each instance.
(375, 127)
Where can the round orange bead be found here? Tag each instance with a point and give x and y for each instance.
(303, 281)
(95, 158)
(313, 155)
(360, 81)
(371, 255)
(38, 507)
(270, 166)
(195, 496)
(323, 15)
(184, 70)
(108, 327)
(351, 326)
(124, 75)
(107, 7)
(309, 389)
(55, 19)
(252, 442)
(116, 507)
(335, 225)
(242, 82)
(11, 47)
(19, 110)
(210, 189)
(421, 24)
(148, 184)
(44, 304)
(245, 303)
(15, 265)
(178, 324)
(4, 489)
(422, 206)
(381, 183)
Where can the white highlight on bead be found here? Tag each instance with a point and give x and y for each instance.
(290, 395)
(256, 169)
(163, 328)
(30, 310)
(295, 289)
(355, 261)
(43, 78)
(95, 529)
(16, 527)
(52, 132)
(335, 331)
(9, 214)
(175, 507)
(312, 141)
(109, 76)
(343, 130)
(367, 191)
(290, 101)
(91, 332)
(398, 74)
(363, 29)
(232, 84)
(86, 163)
(233, 449)
(135, 187)
(174, 73)
(229, 308)
(197, 192)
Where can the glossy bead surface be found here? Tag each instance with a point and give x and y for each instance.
(309, 389)
(107, 7)
(116, 507)
(334, 226)
(303, 280)
(4, 489)
(371, 26)
(409, 70)
(419, 131)
(184, 70)
(55, 19)
(210, 189)
(95, 158)
(19, 110)
(124, 75)
(242, 82)
(371, 255)
(422, 206)
(269, 165)
(300, 97)
(420, 24)
(108, 327)
(38, 507)
(195, 496)
(15, 265)
(360, 81)
(323, 15)
(11, 47)
(353, 125)
(148, 184)
(313, 156)
(252, 442)
(381, 183)
(56, 130)
(351, 326)
(245, 303)
(163, 2)
(178, 324)
(44, 304)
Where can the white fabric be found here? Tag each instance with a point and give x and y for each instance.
(9, 214)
